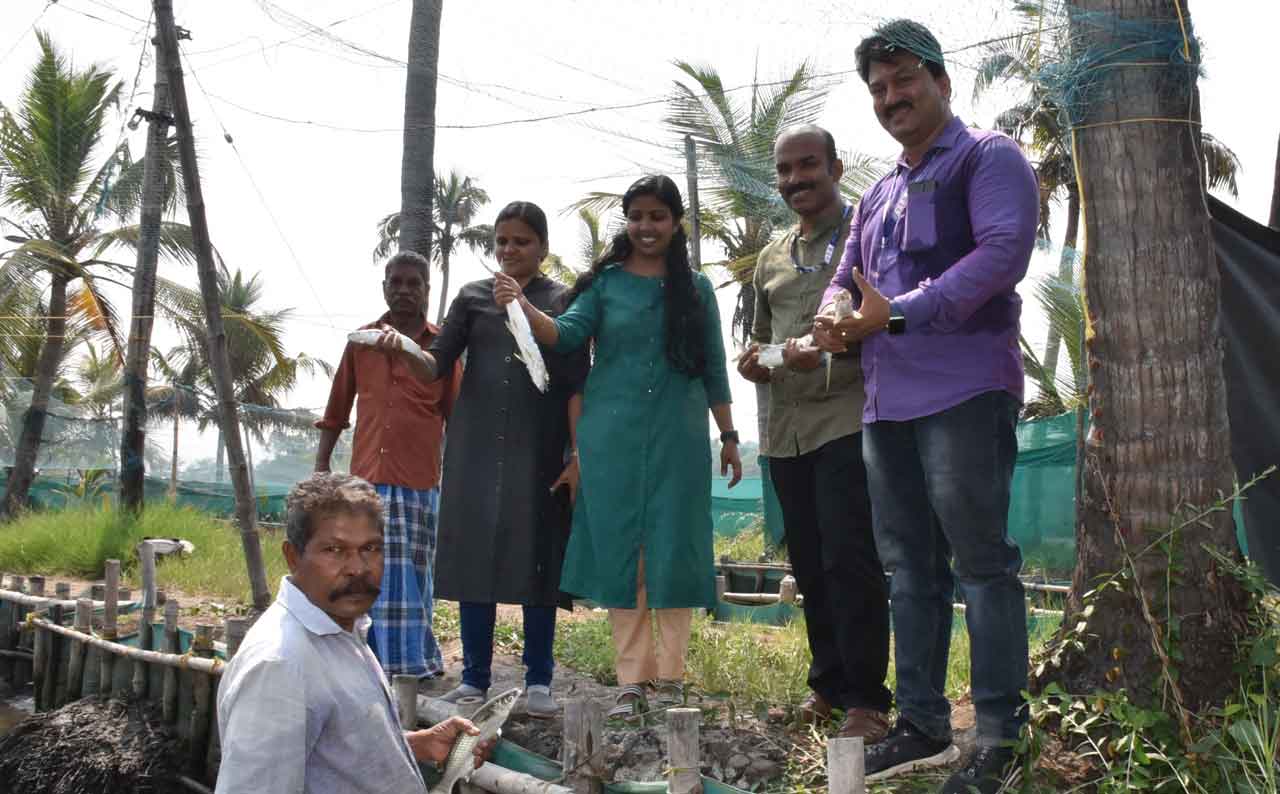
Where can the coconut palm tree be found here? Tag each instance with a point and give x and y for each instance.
(417, 169)
(178, 396)
(457, 200)
(67, 206)
(262, 372)
(1043, 127)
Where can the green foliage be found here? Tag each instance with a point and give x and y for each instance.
(752, 665)
(587, 647)
(748, 545)
(76, 542)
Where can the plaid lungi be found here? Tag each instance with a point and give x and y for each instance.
(401, 632)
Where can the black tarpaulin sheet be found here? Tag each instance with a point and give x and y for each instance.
(1249, 261)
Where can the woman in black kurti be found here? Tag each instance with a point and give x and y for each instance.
(509, 472)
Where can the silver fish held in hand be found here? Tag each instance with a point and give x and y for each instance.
(488, 719)
(528, 353)
(369, 337)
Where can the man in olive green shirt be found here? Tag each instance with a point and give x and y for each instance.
(814, 445)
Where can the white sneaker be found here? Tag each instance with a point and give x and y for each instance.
(465, 695)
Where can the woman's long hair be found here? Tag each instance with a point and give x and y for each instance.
(686, 342)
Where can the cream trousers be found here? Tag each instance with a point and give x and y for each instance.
(638, 657)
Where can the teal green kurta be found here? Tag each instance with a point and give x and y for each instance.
(644, 447)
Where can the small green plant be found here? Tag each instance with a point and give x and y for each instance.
(587, 646)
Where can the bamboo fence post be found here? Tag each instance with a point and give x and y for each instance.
(7, 621)
(202, 646)
(169, 707)
(787, 589)
(62, 591)
(107, 661)
(124, 594)
(683, 754)
(846, 766)
(406, 689)
(37, 585)
(38, 653)
(79, 651)
(21, 667)
(147, 567)
(583, 728)
(52, 654)
(235, 630)
(98, 592)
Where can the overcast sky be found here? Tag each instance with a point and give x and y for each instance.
(299, 202)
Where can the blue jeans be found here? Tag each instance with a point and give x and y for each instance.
(940, 501)
(477, 643)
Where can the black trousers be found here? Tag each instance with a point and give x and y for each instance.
(827, 513)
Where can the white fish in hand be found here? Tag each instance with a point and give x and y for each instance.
(528, 353)
(841, 307)
(369, 337)
(488, 719)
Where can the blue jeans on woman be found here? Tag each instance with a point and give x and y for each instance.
(477, 643)
(940, 502)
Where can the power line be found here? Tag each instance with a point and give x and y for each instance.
(63, 5)
(304, 35)
(261, 196)
(30, 28)
(120, 11)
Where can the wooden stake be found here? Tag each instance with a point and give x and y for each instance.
(62, 591)
(107, 661)
(38, 654)
(79, 650)
(683, 753)
(147, 568)
(236, 628)
(201, 690)
(406, 689)
(582, 738)
(7, 634)
(846, 770)
(787, 589)
(52, 654)
(169, 705)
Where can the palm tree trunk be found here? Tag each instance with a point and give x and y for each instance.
(1275, 192)
(1159, 435)
(133, 436)
(24, 458)
(219, 461)
(173, 463)
(219, 363)
(445, 245)
(417, 168)
(1066, 269)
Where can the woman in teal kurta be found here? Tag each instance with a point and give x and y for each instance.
(642, 533)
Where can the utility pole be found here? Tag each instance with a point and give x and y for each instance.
(417, 162)
(219, 364)
(133, 434)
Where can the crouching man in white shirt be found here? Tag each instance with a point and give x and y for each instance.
(304, 707)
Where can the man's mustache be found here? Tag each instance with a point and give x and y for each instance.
(889, 111)
(796, 188)
(356, 587)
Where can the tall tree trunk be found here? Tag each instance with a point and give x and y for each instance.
(173, 463)
(133, 436)
(219, 364)
(24, 457)
(445, 245)
(417, 168)
(219, 460)
(1275, 192)
(1066, 269)
(1158, 440)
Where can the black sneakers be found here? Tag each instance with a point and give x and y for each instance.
(989, 770)
(905, 749)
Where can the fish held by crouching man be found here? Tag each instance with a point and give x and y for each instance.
(488, 720)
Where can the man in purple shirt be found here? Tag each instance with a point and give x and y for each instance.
(935, 250)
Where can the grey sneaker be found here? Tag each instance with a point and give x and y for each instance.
(465, 695)
(541, 704)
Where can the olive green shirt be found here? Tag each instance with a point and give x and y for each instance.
(803, 413)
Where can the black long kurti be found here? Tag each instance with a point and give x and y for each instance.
(502, 533)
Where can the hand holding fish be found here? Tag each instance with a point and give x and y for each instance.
(506, 289)
(833, 330)
(801, 355)
(434, 743)
(749, 365)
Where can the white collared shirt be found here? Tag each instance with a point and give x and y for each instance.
(304, 708)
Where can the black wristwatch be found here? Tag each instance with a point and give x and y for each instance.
(729, 435)
(897, 324)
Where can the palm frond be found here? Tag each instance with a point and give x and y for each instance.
(1221, 164)
(87, 300)
(388, 237)
(598, 203)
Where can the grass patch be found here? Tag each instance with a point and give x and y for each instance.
(748, 546)
(587, 647)
(78, 541)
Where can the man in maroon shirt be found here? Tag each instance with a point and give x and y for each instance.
(399, 429)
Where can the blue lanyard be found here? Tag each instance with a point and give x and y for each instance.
(831, 245)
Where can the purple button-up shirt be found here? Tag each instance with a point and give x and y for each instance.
(946, 241)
